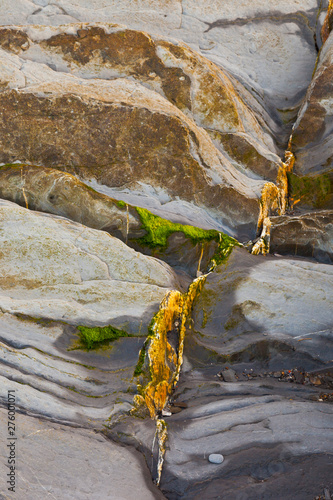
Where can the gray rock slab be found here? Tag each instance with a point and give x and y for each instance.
(54, 381)
(275, 62)
(56, 269)
(266, 307)
(59, 462)
(262, 438)
(55, 275)
(308, 235)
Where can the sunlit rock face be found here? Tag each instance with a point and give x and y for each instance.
(275, 63)
(136, 140)
(188, 249)
(53, 268)
(98, 125)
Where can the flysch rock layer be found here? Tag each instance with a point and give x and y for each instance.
(78, 269)
(249, 299)
(55, 275)
(120, 134)
(276, 62)
(133, 111)
(310, 185)
(255, 320)
(188, 80)
(80, 464)
(268, 438)
(60, 193)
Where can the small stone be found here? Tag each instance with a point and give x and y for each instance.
(175, 409)
(229, 375)
(166, 413)
(215, 458)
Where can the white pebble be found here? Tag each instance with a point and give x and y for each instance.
(215, 458)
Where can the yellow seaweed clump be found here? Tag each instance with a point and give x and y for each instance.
(161, 355)
(273, 197)
(164, 360)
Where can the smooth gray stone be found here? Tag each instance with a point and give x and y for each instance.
(215, 458)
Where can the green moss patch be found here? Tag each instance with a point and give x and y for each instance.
(120, 203)
(225, 246)
(159, 230)
(139, 367)
(94, 337)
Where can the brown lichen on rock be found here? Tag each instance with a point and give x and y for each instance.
(311, 140)
(119, 144)
(242, 151)
(212, 92)
(13, 40)
(130, 53)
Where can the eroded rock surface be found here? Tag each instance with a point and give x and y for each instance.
(242, 303)
(265, 428)
(187, 248)
(312, 134)
(308, 235)
(276, 63)
(80, 270)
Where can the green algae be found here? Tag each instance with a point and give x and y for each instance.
(142, 356)
(94, 337)
(225, 246)
(120, 203)
(159, 229)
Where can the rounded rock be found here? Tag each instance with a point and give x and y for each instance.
(216, 458)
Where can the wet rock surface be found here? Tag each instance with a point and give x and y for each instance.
(145, 350)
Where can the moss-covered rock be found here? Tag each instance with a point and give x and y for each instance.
(93, 337)
(56, 192)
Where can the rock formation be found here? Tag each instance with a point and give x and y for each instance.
(150, 152)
